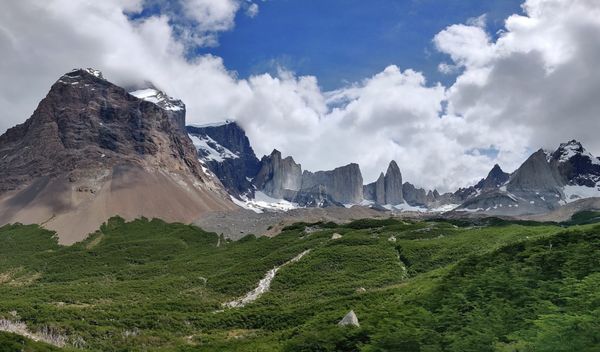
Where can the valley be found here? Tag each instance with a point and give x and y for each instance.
(452, 285)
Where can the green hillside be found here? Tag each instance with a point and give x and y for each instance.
(415, 286)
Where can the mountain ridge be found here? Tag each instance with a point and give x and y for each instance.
(91, 151)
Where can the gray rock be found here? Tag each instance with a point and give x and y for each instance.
(279, 178)
(344, 184)
(393, 185)
(235, 173)
(388, 188)
(538, 185)
(536, 174)
(349, 319)
(414, 196)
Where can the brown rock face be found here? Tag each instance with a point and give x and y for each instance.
(87, 148)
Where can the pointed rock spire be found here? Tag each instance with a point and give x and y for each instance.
(393, 184)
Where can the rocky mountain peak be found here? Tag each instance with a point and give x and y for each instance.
(174, 107)
(226, 151)
(495, 178)
(90, 151)
(93, 72)
(388, 188)
(535, 174)
(277, 177)
(393, 184)
(566, 151)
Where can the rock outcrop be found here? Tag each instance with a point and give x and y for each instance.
(225, 149)
(388, 188)
(175, 108)
(536, 174)
(415, 196)
(344, 184)
(393, 184)
(91, 151)
(278, 177)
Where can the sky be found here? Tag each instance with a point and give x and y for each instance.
(445, 88)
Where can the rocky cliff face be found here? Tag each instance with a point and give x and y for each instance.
(536, 174)
(90, 151)
(344, 184)
(575, 165)
(225, 149)
(415, 196)
(393, 184)
(175, 108)
(388, 188)
(278, 177)
(495, 179)
(375, 191)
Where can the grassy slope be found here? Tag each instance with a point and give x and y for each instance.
(151, 285)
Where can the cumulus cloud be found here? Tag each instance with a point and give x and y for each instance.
(537, 83)
(533, 86)
(212, 15)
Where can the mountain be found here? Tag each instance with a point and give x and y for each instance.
(91, 151)
(225, 149)
(375, 191)
(388, 188)
(344, 184)
(175, 108)
(279, 177)
(544, 182)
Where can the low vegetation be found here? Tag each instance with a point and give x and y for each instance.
(415, 286)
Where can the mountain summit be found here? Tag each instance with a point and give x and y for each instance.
(91, 151)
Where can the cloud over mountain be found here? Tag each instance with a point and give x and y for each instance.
(533, 84)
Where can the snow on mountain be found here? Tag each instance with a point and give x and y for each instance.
(159, 98)
(573, 193)
(93, 72)
(209, 150)
(566, 151)
(211, 124)
(263, 202)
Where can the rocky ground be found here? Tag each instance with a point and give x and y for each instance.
(237, 224)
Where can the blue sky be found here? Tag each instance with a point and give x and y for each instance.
(535, 86)
(341, 41)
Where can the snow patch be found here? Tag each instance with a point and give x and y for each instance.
(211, 124)
(213, 150)
(159, 98)
(469, 210)
(94, 72)
(573, 193)
(263, 202)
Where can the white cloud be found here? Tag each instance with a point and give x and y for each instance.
(479, 21)
(536, 85)
(212, 15)
(252, 10)
(533, 86)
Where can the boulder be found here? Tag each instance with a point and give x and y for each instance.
(349, 319)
